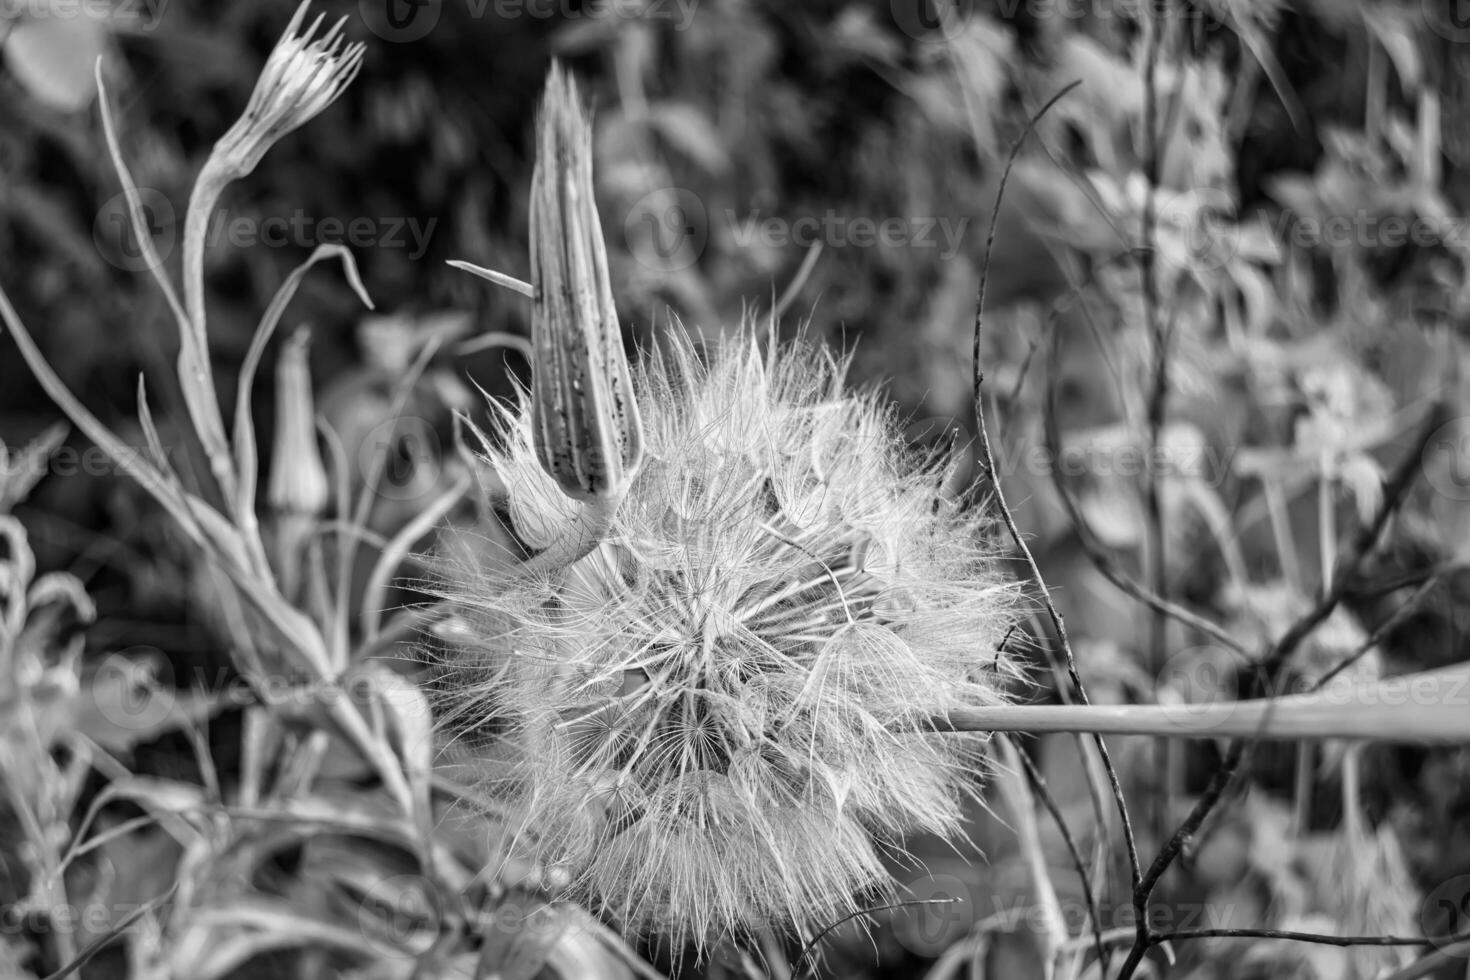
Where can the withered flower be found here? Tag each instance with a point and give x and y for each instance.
(303, 75)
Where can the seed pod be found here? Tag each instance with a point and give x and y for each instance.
(587, 430)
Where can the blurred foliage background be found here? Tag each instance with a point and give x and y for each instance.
(1298, 368)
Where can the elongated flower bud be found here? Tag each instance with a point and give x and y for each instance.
(298, 482)
(303, 75)
(588, 433)
(298, 492)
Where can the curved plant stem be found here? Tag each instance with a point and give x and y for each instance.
(1053, 614)
(396, 550)
(587, 530)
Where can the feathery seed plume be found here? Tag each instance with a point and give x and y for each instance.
(720, 716)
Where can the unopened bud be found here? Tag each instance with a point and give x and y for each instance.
(298, 483)
(585, 422)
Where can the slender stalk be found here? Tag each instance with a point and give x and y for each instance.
(1039, 787)
(1012, 787)
(1440, 715)
(988, 459)
(1158, 398)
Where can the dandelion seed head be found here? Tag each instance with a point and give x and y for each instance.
(723, 715)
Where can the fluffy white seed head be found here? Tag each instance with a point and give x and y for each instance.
(722, 716)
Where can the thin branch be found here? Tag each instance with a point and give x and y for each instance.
(1010, 521)
(1402, 613)
(1155, 22)
(798, 281)
(1159, 334)
(1039, 787)
(1395, 489)
(103, 941)
(1417, 577)
(1395, 492)
(1315, 938)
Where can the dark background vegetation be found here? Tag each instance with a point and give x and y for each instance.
(784, 110)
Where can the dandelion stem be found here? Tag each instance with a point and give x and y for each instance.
(1369, 712)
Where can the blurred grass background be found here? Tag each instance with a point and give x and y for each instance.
(1289, 360)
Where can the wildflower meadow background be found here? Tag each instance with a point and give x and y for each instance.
(734, 488)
